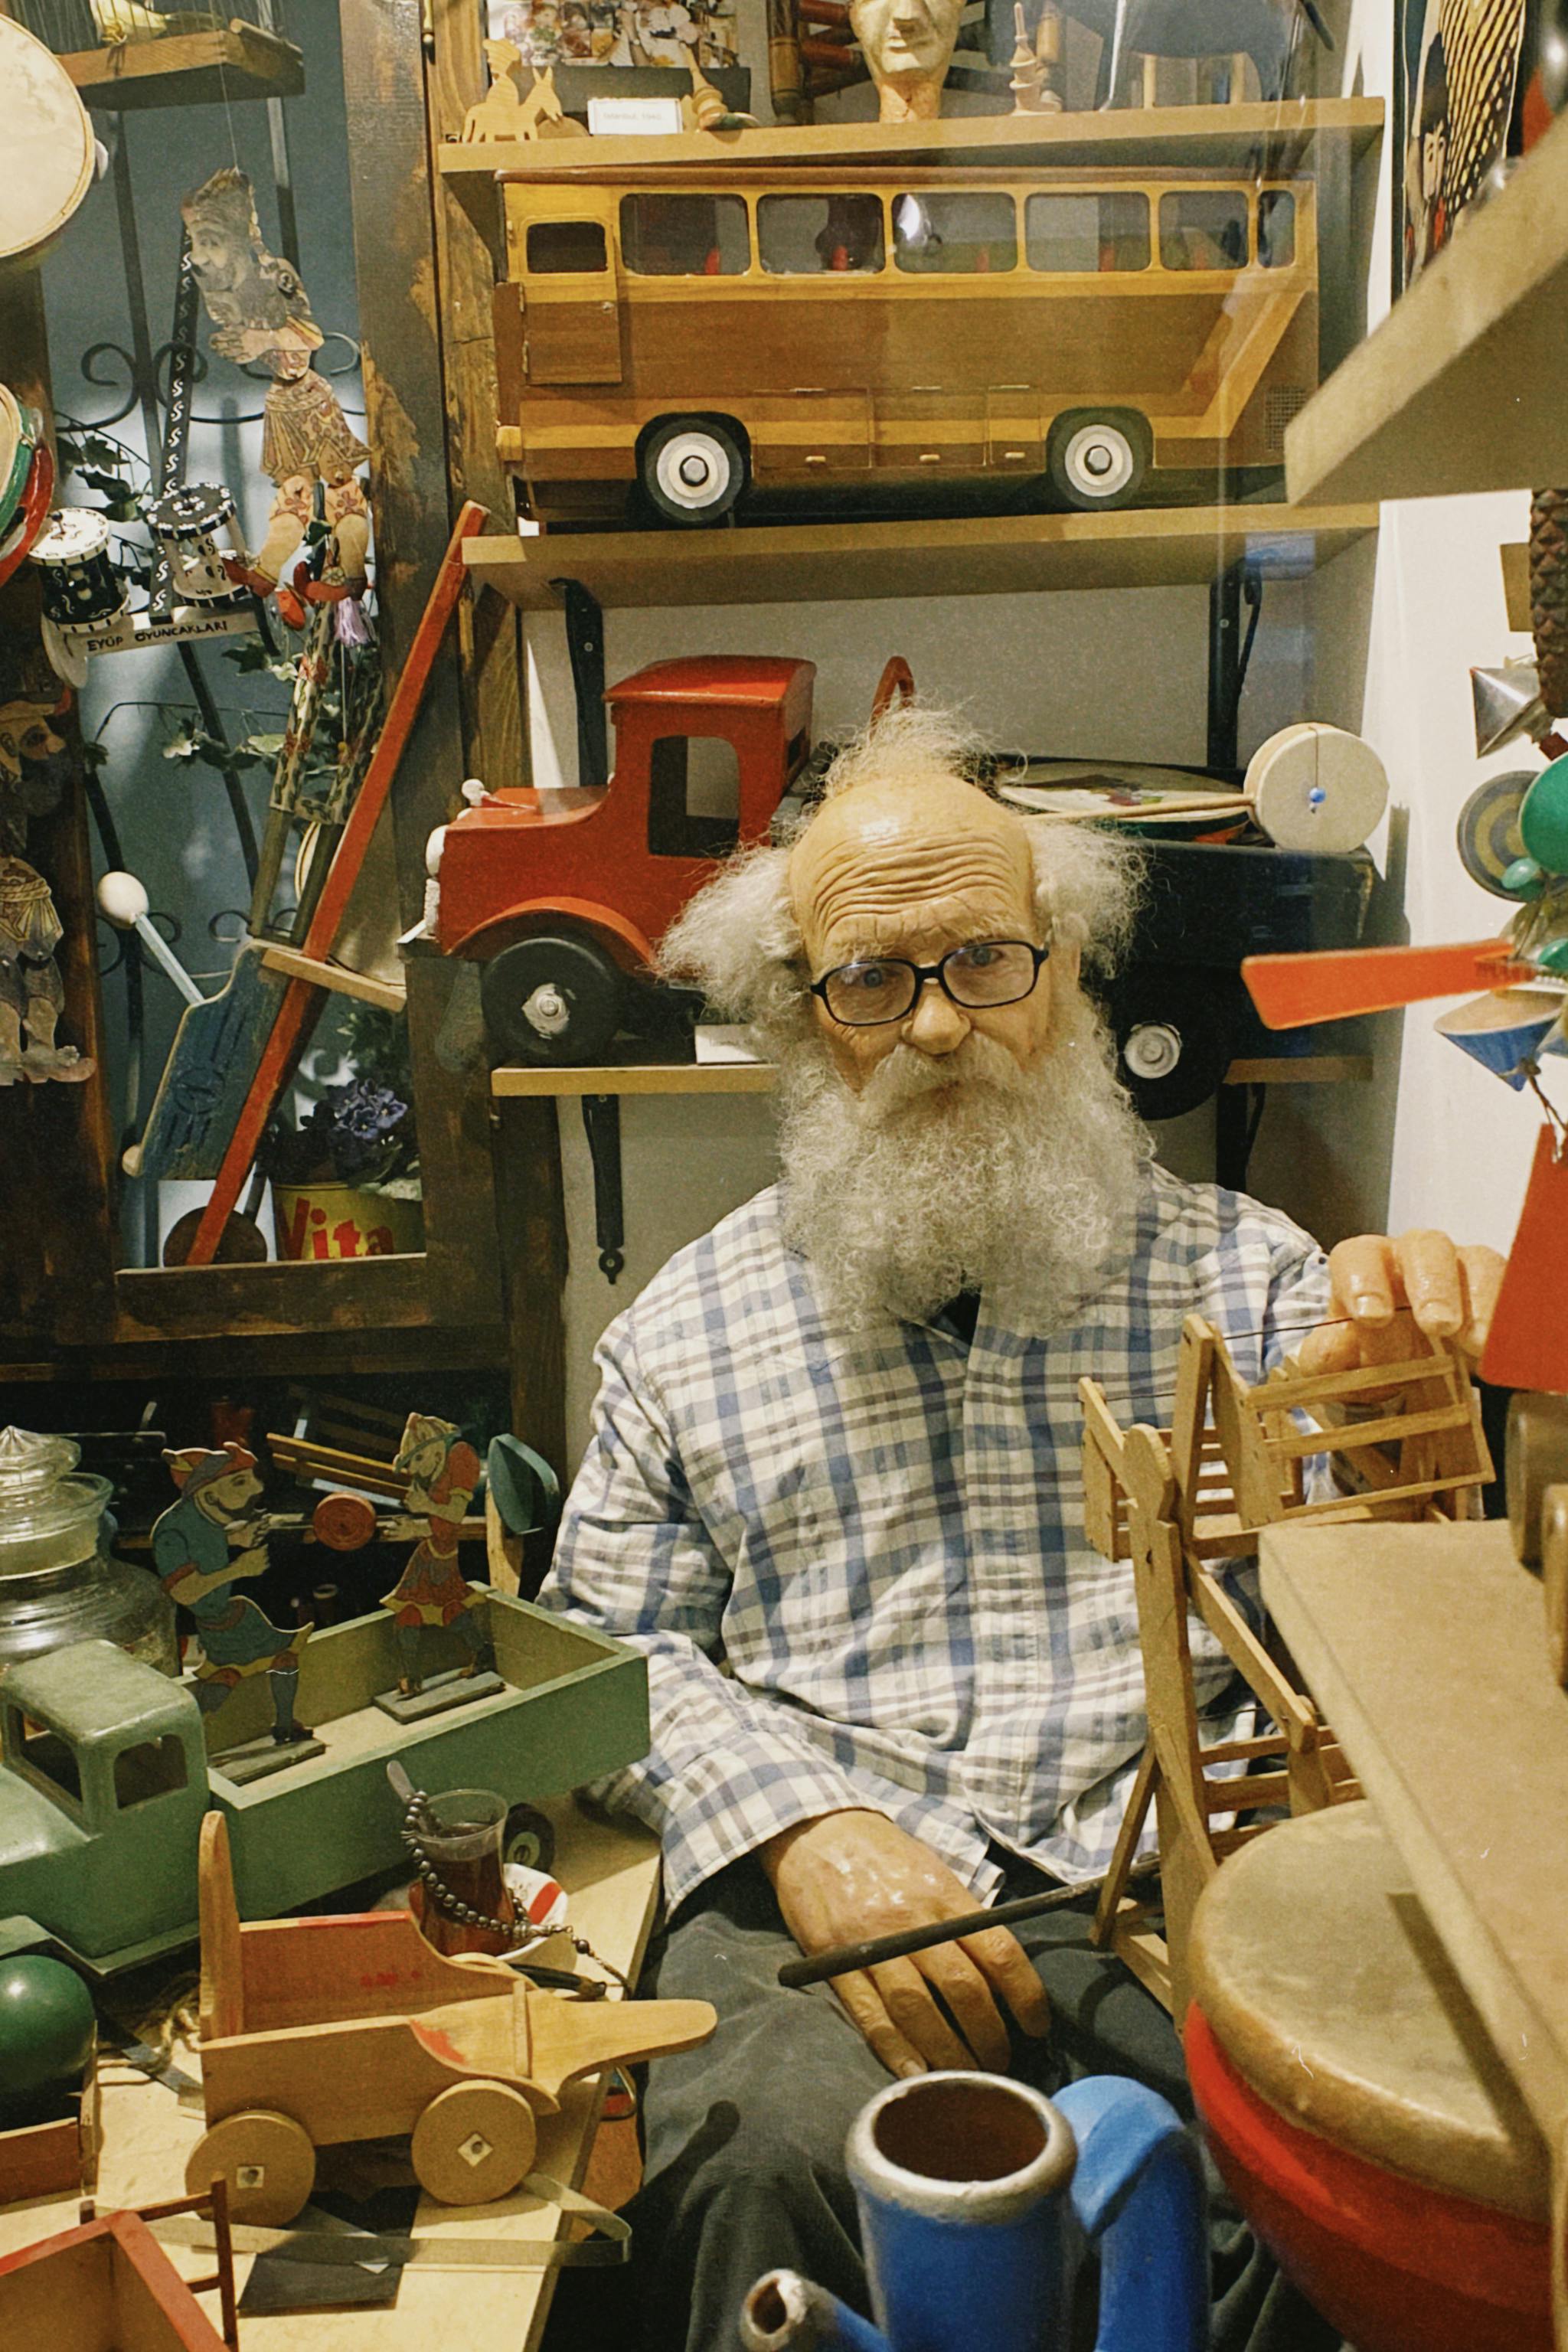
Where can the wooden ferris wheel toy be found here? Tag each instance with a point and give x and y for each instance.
(1187, 1504)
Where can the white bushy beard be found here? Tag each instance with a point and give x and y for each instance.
(967, 1173)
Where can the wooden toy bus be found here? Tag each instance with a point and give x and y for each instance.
(691, 331)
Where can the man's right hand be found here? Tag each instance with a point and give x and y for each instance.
(849, 1875)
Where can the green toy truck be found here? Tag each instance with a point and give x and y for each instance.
(104, 1774)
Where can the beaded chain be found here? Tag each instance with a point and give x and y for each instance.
(517, 1934)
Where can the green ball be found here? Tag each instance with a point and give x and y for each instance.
(47, 2027)
(1523, 878)
(1543, 818)
(1553, 958)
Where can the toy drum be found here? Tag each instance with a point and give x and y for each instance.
(1355, 2105)
(81, 584)
(186, 523)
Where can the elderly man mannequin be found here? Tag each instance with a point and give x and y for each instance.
(834, 1494)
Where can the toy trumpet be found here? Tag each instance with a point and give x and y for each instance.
(960, 2181)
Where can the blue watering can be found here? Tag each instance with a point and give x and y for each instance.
(959, 2180)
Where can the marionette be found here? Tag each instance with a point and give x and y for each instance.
(262, 316)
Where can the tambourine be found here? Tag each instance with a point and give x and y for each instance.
(27, 466)
(81, 584)
(47, 153)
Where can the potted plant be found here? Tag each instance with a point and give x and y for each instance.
(345, 1180)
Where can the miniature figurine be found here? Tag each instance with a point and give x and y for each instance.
(443, 1472)
(908, 45)
(262, 313)
(497, 115)
(200, 1547)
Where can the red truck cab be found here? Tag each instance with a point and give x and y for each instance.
(562, 896)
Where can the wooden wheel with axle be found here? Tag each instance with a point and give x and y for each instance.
(473, 2143)
(266, 2159)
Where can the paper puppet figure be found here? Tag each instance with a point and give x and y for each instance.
(262, 316)
(32, 994)
(201, 1547)
(442, 1471)
(908, 45)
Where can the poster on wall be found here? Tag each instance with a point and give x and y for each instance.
(617, 32)
(1455, 68)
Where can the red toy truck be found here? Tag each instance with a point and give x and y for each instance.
(561, 896)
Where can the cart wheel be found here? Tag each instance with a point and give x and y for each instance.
(266, 2160)
(1097, 461)
(528, 1838)
(473, 2143)
(552, 1000)
(693, 470)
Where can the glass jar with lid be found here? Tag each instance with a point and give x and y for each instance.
(58, 1582)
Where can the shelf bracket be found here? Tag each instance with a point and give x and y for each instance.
(585, 649)
(602, 1121)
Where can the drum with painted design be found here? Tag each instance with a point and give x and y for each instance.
(1354, 2105)
(81, 584)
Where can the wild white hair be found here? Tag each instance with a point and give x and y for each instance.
(737, 940)
(962, 1172)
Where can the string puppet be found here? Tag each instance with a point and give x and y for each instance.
(261, 316)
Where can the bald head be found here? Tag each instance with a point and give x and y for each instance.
(913, 868)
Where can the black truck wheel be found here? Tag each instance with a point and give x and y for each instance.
(1173, 1030)
(554, 998)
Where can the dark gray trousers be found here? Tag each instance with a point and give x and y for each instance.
(745, 2137)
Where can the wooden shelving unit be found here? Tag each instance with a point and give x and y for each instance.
(977, 555)
(212, 69)
(758, 1077)
(1286, 137)
(1460, 388)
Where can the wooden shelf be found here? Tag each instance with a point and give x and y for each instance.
(757, 1077)
(212, 69)
(1273, 138)
(1460, 388)
(976, 555)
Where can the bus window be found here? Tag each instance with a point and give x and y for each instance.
(1275, 228)
(1203, 229)
(1087, 232)
(694, 796)
(685, 236)
(961, 232)
(806, 236)
(560, 248)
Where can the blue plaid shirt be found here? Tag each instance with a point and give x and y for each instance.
(855, 1559)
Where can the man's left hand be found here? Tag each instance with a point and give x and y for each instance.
(1385, 1291)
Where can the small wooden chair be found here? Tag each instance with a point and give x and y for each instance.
(1178, 1501)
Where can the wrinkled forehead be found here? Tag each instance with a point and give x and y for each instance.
(888, 864)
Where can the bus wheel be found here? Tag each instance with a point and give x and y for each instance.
(693, 470)
(551, 999)
(1095, 462)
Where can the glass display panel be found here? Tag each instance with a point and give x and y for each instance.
(685, 236)
(812, 237)
(957, 232)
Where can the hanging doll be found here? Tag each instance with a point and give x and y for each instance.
(200, 1547)
(443, 1472)
(32, 993)
(262, 315)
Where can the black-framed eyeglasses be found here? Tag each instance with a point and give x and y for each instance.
(980, 973)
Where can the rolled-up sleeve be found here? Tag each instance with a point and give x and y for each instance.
(727, 1768)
